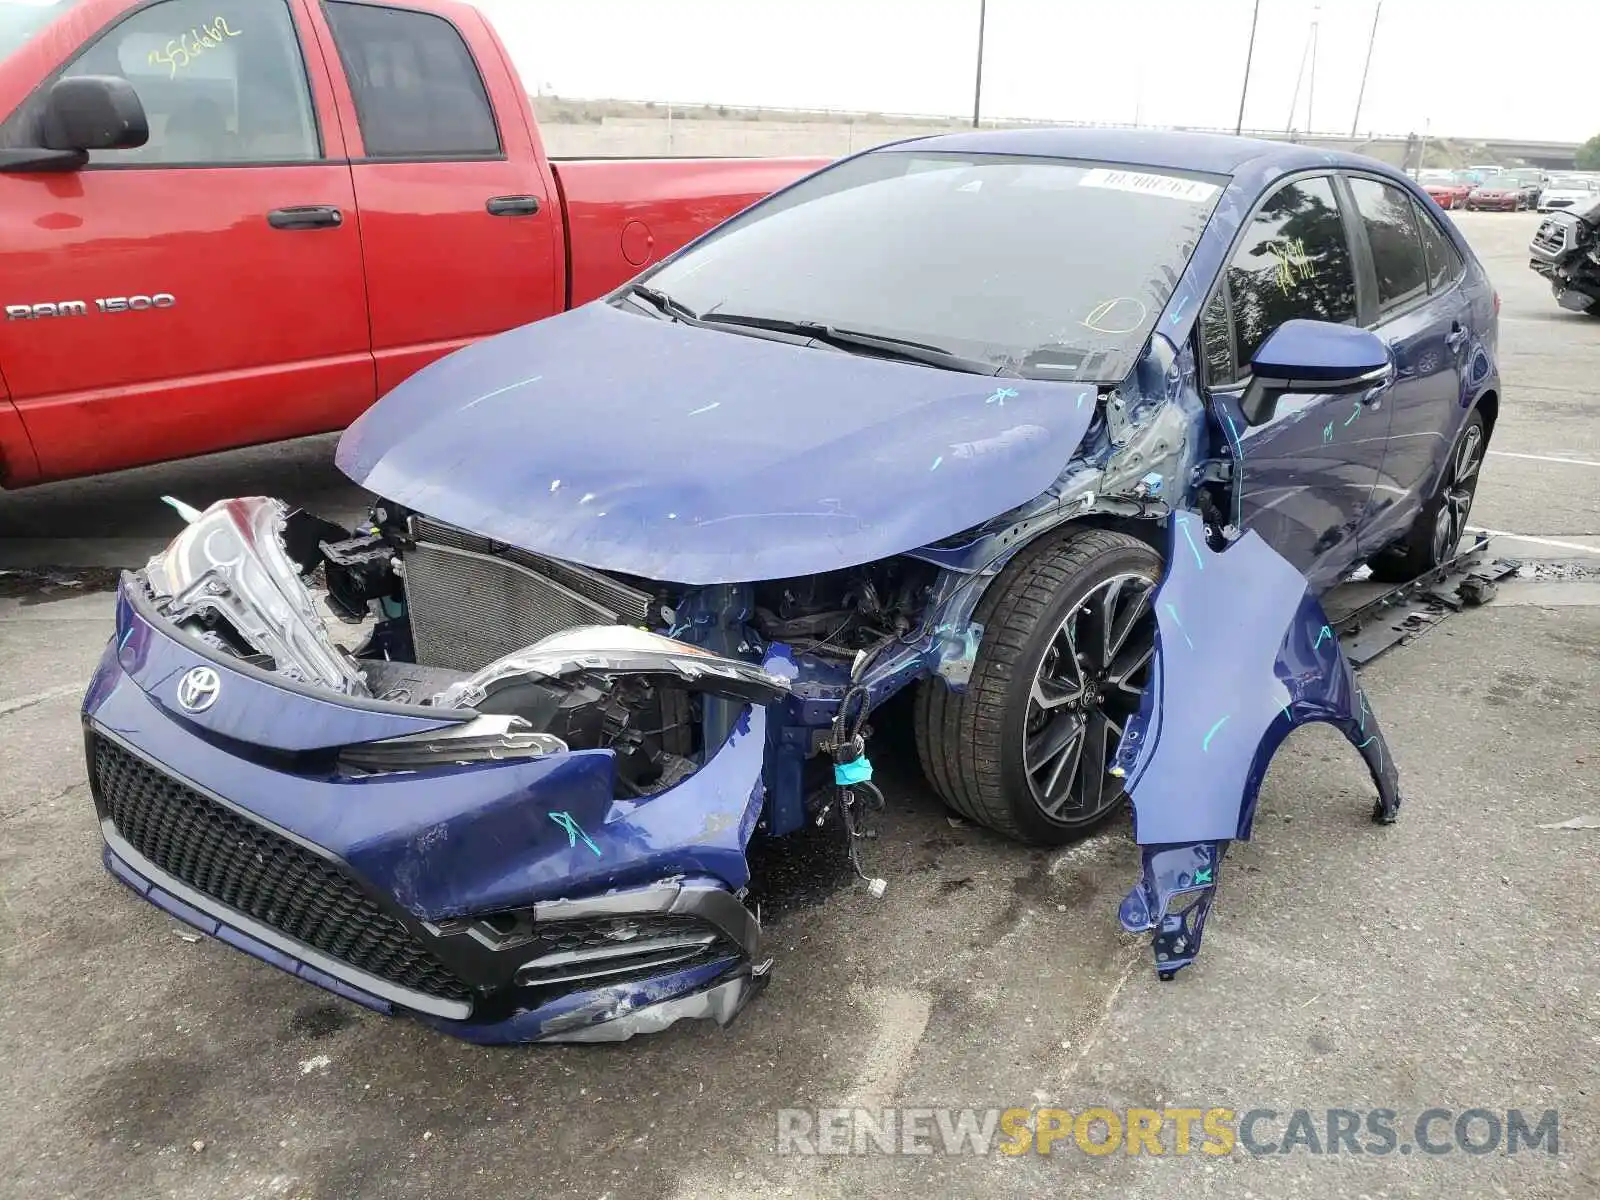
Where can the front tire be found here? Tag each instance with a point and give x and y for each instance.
(1442, 523)
(1068, 639)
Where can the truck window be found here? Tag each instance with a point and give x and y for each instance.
(417, 89)
(222, 81)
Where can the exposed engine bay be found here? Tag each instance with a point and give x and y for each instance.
(552, 656)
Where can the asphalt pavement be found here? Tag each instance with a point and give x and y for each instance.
(1448, 962)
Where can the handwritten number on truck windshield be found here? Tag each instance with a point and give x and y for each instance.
(184, 49)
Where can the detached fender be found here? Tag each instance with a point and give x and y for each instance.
(1244, 655)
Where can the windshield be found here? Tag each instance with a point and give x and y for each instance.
(1569, 183)
(21, 19)
(1051, 268)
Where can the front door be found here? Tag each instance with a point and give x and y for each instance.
(458, 224)
(1303, 477)
(204, 290)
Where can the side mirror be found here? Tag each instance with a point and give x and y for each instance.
(1314, 356)
(93, 112)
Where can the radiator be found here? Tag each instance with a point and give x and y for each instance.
(471, 601)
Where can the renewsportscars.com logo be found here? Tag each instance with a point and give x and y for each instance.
(1100, 1130)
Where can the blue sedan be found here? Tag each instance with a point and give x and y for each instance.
(1065, 430)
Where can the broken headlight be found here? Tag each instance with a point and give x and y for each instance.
(228, 573)
(488, 738)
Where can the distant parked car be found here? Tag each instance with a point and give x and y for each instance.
(1446, 190)
(1566, 191)
(1498, 195)
(1530, 180)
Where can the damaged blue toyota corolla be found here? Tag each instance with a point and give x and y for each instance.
(1067, 430)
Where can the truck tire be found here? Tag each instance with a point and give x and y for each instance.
(1023, 750)
(1438, 529)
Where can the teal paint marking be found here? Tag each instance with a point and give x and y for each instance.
(707, 408)
(1354, 413)
(1287, 714)
(1203, 875)
(1368, 742)
(1322, 635)
(936, 463)
(1327, 432)
(1362, 696)
(574, 831)
(1080, 400)
(1189, 537)
(1001, 395)
(123, 644)
(1177, 311)
(1211, 733)
(1173, 613)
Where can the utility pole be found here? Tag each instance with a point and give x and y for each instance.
(1311, 94)
(1249, 54)
(1361, 94)
(977, 86)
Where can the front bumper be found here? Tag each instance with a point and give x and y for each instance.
(1495, 204)
(503, 902)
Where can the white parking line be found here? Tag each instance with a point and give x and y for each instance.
(1550, 458)
(1539, 541)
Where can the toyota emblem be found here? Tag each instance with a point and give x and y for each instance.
(199, 689)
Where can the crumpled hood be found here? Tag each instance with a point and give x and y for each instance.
(691, 455)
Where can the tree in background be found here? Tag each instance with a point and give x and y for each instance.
(1588, 156)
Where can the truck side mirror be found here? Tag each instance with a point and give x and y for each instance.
(1314, 356)
(93, 112)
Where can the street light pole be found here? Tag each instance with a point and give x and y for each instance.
(1250, 53)
(977, 86)
(1361, 94)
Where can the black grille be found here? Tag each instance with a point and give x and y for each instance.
(257, 872)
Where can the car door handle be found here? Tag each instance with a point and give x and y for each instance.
(1457, 337)
(306, 216)
(513, 206)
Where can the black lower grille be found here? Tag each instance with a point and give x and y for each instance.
(261, 874)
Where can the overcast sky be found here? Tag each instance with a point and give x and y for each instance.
(1485, 68)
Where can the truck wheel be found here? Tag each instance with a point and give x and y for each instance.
(1440, 525)
(1068, 638)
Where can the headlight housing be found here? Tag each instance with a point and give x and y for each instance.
(230, 564)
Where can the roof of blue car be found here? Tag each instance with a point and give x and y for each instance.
(1170, 149)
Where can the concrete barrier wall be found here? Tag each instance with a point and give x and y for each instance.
(693, 136)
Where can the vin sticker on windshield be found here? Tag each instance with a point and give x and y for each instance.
(1146, 184)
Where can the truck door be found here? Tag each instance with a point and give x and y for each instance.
(460, 227)
(204, 290)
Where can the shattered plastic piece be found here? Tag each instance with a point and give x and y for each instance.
(1193, 769)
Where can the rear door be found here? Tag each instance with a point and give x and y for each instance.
(1424, 315)
(458, 221)
(204, 290)
(1304, 477)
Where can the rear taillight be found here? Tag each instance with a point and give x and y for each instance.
(1497, 304)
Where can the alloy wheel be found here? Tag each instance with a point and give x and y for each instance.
(1087, 685)
(1457, 491)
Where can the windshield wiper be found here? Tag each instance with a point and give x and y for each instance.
(903, 349)
(666, 305)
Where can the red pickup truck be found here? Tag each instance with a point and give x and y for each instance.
(225, 222)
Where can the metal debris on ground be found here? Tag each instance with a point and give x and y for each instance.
(1411, 609)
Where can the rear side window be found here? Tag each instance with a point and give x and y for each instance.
(1391, 224)
(1293, 261)
(1439, 253)
(417, 89)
